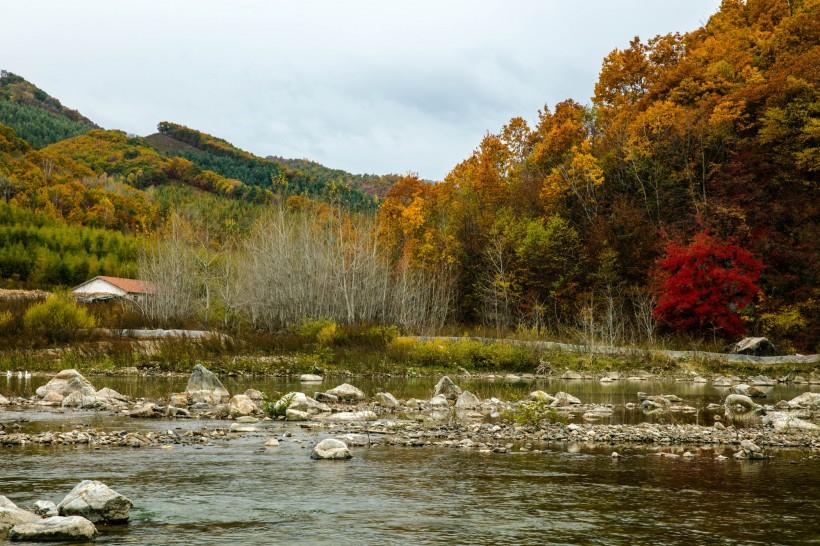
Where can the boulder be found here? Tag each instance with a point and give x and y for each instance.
(445, 387)
(806, 400)
(749, 390)
(755, 346)
(272, 442)
(784, 421)
(386, 400)
(54, 529)
(330, 448)
(111, 399)
(44, 509)
(762, 381)
(79, 400)
(96, 502)
(4, 401)
(325, 397)
(296, 415)
(205, 387)
(255, 395)
(11, 515)
(65, 383)
(467, 400)
(310, 378)
(147, 410)
(564, 399)
(347, 392)
(739, 404)
(301, 402)
(541, 396)
(439, 401)
(178, 400)
(348, 416)
(749, 450)
(241, 405)
(721, 381)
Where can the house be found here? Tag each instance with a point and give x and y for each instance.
(103, 288)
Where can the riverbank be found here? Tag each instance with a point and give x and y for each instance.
(405, 356)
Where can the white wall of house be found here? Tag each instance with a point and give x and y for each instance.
(99, 286)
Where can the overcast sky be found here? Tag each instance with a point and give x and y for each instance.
(367, 86)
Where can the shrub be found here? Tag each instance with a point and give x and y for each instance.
(278, 408)
(328, 335)
(6, 320)
(311, 328)
(58, 318)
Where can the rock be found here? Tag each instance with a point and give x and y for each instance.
(564, 399)
(439, 401)
(739, 404)
(412, 403)
(11, 515)
(310, 378)
(541, 396)
(749, 390)
(325, 397)
(806, 400)
(96, 502)
(239, 427)
(178, 400)
(79, 400)
(346, 391)
(348, 416)
(467, 400)
(698, 379)
(762, 380)
(386, 400)
(52, 398)
(749, 450)
(255, 395)
(44, 509)
(446, 388)
(756, 346)
(799, 380)
(721, 381)
(272, 442)
(296, 415)
(240, 405)
(330, 448)
(65, 383)
(55, 528)
(205, 387)
(247, 419)
(4, 401)
(146, 410)
(301, 402)
(783, 421)
(615, 455)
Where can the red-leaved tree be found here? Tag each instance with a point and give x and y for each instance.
(705, 285)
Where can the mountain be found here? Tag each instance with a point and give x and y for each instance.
(285, 176)
(36, 116)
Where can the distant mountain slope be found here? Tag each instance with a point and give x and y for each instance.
(36, 116)
(288, 176)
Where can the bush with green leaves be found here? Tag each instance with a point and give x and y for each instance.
(58, 318)
(535, 412)
(278, 408)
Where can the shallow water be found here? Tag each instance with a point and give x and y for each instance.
(238, 492)
(241, 493)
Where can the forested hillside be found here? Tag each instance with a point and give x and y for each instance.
(34, 115)
(697, 161)
(218, 155)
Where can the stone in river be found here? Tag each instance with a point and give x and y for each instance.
(446, 388)
(55, 529)
(386, 400)
(330, 448)
(205, 386)
(97, 502)
(346, 391)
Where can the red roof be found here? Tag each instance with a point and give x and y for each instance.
(132, 286)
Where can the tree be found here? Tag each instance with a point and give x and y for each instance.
(706, 284)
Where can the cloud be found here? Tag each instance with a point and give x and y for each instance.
(367, 86)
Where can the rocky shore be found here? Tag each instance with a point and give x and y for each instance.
(452, 417)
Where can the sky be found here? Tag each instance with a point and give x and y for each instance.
(368, 86)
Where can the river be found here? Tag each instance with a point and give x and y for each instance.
(239, 492)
